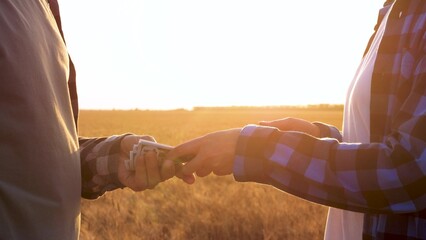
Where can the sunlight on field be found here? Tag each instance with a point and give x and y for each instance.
(212, 208)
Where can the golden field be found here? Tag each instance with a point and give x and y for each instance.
(213, 207)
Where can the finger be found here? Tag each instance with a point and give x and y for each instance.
(167, 170)
(221, 172)
(184, 150)
(189, 179)
(272, 123)
(203, 172)
(192, 166)
(140, 177)
(282, 124)
(152, 168)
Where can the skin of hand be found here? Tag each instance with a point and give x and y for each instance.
(293, 124)
(149, 171)
(213, 152)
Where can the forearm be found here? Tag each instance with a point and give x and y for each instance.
(356, 177)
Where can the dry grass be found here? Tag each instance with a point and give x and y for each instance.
(212, 208)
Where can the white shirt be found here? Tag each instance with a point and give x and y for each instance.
(341, 224)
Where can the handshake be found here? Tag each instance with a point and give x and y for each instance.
(147, 163)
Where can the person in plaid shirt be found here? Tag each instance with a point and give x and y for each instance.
(45, 167)
(375, 168)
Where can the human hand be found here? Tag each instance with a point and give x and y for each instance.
(149, 169)
(213, 152)
(293, 124)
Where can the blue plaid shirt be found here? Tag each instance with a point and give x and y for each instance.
(385, 179)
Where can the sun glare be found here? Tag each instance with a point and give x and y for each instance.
(179, 54)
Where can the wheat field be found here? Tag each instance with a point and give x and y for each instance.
(213, 207)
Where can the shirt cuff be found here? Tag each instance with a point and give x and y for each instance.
(249, 164)
(328, 131)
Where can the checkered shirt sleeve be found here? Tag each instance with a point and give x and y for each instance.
(379, 177)
(99, 165)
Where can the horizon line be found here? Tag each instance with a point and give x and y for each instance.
(195, 108)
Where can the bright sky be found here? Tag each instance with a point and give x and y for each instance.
(166, 54)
